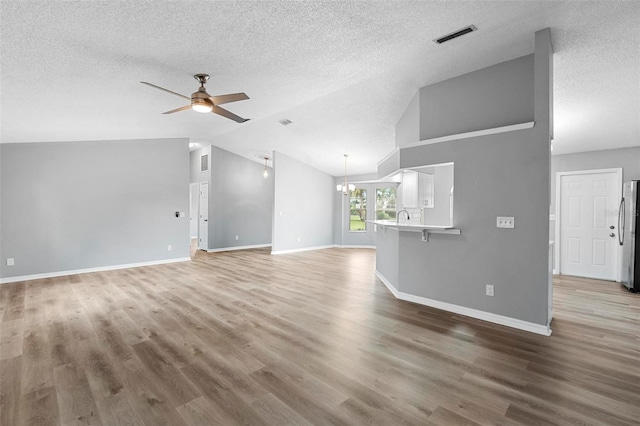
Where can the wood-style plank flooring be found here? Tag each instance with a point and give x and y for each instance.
(311, 338)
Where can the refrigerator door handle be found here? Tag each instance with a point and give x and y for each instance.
(621, 220)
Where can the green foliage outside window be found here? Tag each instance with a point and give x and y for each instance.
(385, 204)
(358, 210)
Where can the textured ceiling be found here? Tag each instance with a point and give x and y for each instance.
(342, 71)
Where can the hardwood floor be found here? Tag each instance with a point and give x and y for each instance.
(311, 338)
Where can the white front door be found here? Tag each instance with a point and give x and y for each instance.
(203, 217)
(588, 224)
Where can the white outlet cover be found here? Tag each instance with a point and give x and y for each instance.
(169, 247)
(237, 237)
(490, 291)
(10, 261)
(505, 222)
(182, 214)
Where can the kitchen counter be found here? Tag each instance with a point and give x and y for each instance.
(413, 227)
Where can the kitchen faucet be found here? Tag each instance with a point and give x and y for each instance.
(398, 215)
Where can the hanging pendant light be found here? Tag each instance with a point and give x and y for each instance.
(265, 174)
(346, 188)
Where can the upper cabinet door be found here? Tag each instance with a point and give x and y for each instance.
(409, 189)
(425, 186)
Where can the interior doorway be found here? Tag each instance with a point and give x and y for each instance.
(586, 229)
(203, 216)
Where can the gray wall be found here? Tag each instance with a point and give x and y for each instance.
(303, 207)
(240, 201)
(390, 165)
(626, 158)
(497, 175)
(196, 176)
(495, 96)
(504, 174)
(408, 127)
(77, 205)
(387, 255)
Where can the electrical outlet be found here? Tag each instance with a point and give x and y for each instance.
(489, 290)
(237, 237)
(10, 261)
(505, 222)
(169, 247)
(182, 214)
(299, 239)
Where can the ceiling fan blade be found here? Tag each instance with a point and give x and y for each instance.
(225, 99)
(223, 112)
(166, 90)
(178, 109)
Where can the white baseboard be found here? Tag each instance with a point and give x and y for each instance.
(357, 246)
(88, 270)
(303, 249)
(238, 248)
(554, 272)
(468, 312)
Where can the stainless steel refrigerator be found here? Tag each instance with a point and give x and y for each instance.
(628, 222)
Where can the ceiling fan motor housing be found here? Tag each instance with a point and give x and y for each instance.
(201, 98)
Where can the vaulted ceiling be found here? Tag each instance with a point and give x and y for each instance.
(343, 72)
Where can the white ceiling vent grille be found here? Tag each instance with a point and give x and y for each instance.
(204, 163)
(285, 121)
(456, 34)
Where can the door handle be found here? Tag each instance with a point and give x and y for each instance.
(612, 235)
(612, 227)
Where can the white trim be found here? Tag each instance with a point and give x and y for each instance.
(555, 271)
(89, 270)
(556, 254)
(389, 155)
(484, 132)
(545, 330)
(238, 248)
(356, 246)
(303, 249)
(387, 283)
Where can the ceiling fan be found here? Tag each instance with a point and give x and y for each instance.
(203, 102)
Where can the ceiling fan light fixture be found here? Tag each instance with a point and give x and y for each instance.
(201, 105)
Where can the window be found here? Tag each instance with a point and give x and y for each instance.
(358, 210)
(385, 204)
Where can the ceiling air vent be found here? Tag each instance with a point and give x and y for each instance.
(285, 121)
(465, 30)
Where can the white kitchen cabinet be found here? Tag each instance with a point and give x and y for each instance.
(426, 191)
(409, 190)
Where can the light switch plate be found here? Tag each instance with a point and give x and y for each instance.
(505, 222)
